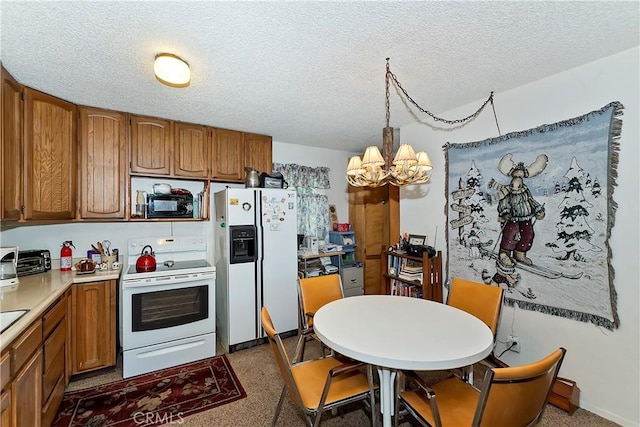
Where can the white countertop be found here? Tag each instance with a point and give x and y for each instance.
(36, 293)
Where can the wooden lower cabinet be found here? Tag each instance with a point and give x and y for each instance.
(93, 325)
(26, 393)
(53, 356)
(5, 408)
(76, 334)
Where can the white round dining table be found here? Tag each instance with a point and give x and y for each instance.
(395, 333)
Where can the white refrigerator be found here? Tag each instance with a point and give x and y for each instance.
(256, 263)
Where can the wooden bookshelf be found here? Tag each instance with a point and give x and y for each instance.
(399, 275)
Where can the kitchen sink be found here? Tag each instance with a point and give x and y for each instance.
(8, 318)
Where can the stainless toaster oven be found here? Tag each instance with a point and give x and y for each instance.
(33, 261)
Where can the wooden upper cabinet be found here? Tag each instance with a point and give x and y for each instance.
(11, 150)
(190, 150)
(227, 158)
(151, 141)
(103, 163)
(49, 156)
(257, 152)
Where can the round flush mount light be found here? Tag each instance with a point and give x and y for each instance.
(172, 70)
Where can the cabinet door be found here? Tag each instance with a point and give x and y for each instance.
(26, 393)
(49, 157)
(69, 345)
(103, 162)
(374, 214)
(5, 408)
(150, 145)
(190, 150)
(227, 155)
(257, 152)
(11, 151)
(93, 319)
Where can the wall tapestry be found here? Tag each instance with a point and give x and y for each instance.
(532, 212)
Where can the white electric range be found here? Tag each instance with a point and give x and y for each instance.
(167, 316)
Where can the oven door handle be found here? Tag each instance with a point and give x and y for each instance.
(170, 349)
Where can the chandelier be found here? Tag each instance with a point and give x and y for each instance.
(376, 169)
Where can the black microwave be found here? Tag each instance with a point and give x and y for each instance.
(170, 206)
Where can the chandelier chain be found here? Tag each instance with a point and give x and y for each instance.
(495, 116)
(429, 113)
(388, 104)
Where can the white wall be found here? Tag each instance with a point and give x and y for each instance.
(604, 363)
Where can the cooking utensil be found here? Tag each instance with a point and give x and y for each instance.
(146, 262)
(106, 244)
(96, 249)
(162, 189)
(101, 248)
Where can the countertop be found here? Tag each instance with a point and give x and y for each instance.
(36, 293)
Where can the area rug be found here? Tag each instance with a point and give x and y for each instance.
(532, 212)
(161, 397)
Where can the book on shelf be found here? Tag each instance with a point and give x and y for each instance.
(411, 277)
(399, 288)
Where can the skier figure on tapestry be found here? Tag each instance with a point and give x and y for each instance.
(517, 211)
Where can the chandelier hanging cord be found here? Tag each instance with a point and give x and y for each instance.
(393, 77)
(495, 116)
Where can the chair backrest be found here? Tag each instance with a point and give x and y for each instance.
(517, 395)
(280, 355)
(314, 292)
(482, 301)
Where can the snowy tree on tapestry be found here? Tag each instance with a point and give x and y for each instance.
(532, 211)
(470, 205)
(574, 233)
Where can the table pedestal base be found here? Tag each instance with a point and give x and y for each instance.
(387, 394)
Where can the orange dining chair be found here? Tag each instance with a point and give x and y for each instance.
(485, 303)
(313, 293)
(514, 396)
(319, 385)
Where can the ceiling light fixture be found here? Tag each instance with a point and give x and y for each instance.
(408, 167)
(172, 70)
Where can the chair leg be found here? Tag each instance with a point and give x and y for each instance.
(279, 407)
(466, 373)
(299, 356)
(372, 398)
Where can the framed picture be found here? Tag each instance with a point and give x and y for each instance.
(415, 239)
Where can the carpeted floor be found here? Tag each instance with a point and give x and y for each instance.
(260, 378)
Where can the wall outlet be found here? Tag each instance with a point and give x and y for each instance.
(513, 339)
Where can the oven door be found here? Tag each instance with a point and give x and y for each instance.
(159, 313)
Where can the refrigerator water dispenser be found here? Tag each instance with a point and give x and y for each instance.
(243, 244)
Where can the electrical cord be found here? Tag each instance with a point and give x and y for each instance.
(513, 344)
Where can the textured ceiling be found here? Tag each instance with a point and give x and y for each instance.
(309, 73)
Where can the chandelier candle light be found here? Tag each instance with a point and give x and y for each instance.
(408, 167)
